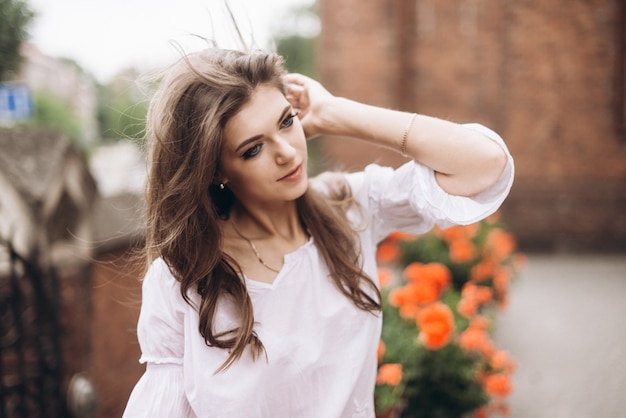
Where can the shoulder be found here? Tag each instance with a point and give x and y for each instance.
(161, 287)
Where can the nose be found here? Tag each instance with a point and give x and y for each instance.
(285, 151)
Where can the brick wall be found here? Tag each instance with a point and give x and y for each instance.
(542, 74)
(116, 296)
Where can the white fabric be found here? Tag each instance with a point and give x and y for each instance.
(321, 349)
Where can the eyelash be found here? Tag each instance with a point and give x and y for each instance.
(254, 150)
(288, 120)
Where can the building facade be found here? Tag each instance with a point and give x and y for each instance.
(548, 76)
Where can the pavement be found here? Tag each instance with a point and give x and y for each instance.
(565, 325)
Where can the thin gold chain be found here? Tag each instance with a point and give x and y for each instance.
(256, 252)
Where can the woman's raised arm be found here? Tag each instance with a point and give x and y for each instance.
(465, 161)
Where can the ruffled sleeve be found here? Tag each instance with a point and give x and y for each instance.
(160, 391)
(409, 199)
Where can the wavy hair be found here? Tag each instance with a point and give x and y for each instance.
(185, 133)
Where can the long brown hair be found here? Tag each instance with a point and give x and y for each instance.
(185, 132)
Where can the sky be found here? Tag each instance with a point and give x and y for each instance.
(106, 36)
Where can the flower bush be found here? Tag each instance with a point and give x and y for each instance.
(440, 295)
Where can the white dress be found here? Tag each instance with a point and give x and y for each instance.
(321, 349)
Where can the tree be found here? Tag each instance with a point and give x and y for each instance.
(295, 38)
(122, 108)
(15, 16)
(298, 52)
(53, 112)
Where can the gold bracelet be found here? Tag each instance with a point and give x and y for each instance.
(406, 136)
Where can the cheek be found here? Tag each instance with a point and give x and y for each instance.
(248, 178)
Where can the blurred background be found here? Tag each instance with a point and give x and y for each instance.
(548, 76)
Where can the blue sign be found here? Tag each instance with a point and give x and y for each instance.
(16, 103)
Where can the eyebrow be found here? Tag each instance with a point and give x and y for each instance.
(256, 137)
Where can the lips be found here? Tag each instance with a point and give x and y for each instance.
(292, 175)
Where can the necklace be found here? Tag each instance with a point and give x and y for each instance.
(256, 252)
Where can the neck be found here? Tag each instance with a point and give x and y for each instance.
(256, 223)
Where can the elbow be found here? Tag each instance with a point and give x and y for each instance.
(490, 170)
(486, 173)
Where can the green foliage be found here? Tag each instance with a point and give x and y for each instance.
(15, 16)
(52, 112)
(436, 384)
(299, 54)
(121, 109)
(442, 384)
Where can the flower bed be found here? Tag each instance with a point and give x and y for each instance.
(441, 292)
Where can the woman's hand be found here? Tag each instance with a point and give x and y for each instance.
(312, 101)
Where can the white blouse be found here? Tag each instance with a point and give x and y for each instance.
(321, 349)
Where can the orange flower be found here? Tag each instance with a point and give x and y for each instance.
(501, 280)
(459, 232)
(481, 294)
(498, 384)
(436, 325)
(439, 274)
(380, 351)
(384, 276)
(500, 360)
(481, 412)
(493, 218)
(387, 252)
(408, 298)
(425, 284)
(499, 244)
(472, 296)
(467, 307)
(435, 273)
(462, 251)
(476, 339)
(483, 270)
(400, 236)
(389, 374)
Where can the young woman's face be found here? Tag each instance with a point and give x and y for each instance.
(264, 157)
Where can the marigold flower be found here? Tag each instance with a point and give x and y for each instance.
(498, 384)
(435, 273)
(459, 232)
(481, 412)
(400, 236)
(387, 252)
(500, 360)
(483, 270)
(493, 218)
(384, 276)
(467, 307)
(476, 339)
(501, 280)
(461, 251)
(472, 297)
(389, 374)
(409, 311)
(436, 325)
(380, 351)
(499, 244)
(439, 274)
(410, 297)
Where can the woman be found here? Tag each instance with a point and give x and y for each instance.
(261, 297)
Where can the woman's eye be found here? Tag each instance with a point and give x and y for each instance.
(288, 120)
(253, 151)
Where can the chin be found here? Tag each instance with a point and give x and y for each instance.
(301, 189)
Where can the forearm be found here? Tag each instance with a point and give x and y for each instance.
(466, 162)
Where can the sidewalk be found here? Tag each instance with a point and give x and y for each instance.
(566, 327)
